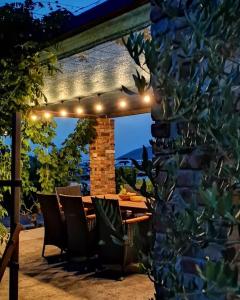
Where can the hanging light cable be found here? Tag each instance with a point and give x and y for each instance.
(79, 110)
(99, 106)
(63, 112)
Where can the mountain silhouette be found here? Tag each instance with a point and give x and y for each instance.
(136, 154)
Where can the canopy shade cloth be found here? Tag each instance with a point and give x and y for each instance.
(98, 65)
(95, 76)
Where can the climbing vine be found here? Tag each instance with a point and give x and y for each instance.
(58, 166)
(53, 166)
(24, 42)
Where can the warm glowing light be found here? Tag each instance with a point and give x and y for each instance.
(47, 115)
(33, 117)
(79, 110)
(63, 113)
(122, 103)
(99, 107)
(146, 98)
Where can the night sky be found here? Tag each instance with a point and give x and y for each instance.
(130, 132)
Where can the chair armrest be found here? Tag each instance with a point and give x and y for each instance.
(91, 217)
(136, 220)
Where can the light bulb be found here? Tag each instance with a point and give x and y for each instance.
(79, 110)
(99, 107)
(33, 117)
(122, 103)
(146, 98)
(47, 115)
(63, 113)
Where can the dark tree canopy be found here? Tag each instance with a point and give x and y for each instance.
(18, 25)
(24, 41)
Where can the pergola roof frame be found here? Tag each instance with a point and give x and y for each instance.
(105, 22)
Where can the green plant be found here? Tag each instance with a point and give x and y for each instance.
(119, 178)
(59, 166)
(69, 156)
(51, 166)
(24, 39)
(194, 65)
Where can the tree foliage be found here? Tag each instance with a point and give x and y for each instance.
(193, 58)
(54, 166)
(60, 166)
(26, 56)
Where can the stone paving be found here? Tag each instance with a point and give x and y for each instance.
(55, 279)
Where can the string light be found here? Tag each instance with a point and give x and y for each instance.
(63, 113)
(79, 110)
(47, 115)
(146, 98)
(122, 103)
(99, 107)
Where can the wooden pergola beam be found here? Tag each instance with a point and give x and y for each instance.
(109, 30)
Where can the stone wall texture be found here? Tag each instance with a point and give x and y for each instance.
(102, 159)
(189, 176)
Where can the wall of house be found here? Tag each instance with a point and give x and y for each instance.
(102, 159)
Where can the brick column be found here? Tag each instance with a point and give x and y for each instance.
(102, 160)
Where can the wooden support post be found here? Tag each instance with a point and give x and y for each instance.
(15, 202)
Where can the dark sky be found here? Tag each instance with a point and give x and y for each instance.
(75, 6)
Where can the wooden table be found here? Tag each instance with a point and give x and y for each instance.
(135, 206)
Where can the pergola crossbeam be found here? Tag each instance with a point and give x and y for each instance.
(110, 30)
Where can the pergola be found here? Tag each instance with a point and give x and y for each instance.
(94, 67)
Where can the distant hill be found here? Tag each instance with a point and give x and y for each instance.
(136, 154)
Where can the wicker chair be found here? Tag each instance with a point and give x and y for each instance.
(80, 227)
(54, 223)
(117, 238)
(73, 190)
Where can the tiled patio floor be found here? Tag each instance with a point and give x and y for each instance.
(55, 280)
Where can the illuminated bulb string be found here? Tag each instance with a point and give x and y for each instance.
(79, 110)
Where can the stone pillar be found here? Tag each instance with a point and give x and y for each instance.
(102, 160)
(193, 160)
